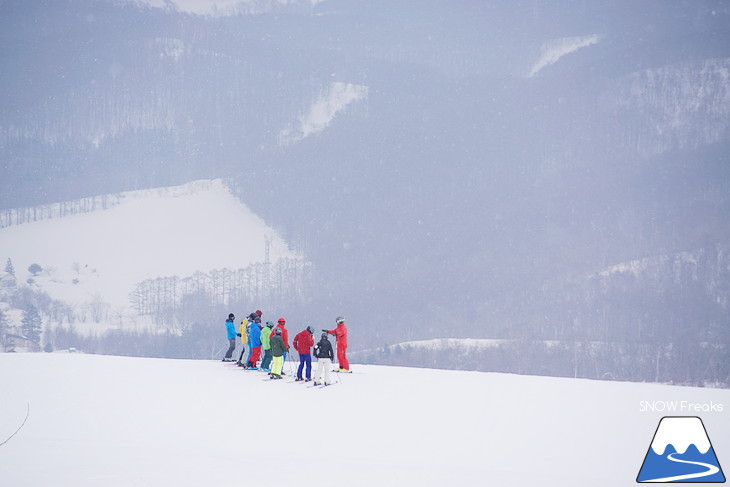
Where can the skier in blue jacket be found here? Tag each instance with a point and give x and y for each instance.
(231, 333)
(250, 321)
(254, 343)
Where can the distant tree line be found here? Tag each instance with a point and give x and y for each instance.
(665, 319)
(18, 216)
(692, 365)
(176, 302)
(198, 341)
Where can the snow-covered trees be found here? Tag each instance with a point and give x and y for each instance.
(18, 216)
(172, 300)
(32, 325)
(4, 324)
(9, 268)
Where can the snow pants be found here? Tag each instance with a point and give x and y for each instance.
(278, 365)
(255, 355)
(305, 359)
(342, 357)
(266, 362)
(323, 366)
(231, 347)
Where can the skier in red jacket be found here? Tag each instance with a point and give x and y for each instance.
(303, 344)
(340, 333)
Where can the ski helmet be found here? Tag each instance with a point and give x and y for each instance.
(310, 330)
(258, 312)
(277, 331)
(230, 316)
(270, 324)
(324, 335)
(282, 321)
(340, 319)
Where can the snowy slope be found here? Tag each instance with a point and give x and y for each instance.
(101, 420)
(175, 231)
(323, 110)
(553, 50)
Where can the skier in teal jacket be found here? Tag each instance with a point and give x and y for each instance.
(231, 334)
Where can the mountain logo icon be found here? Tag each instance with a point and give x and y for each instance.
(681, 452)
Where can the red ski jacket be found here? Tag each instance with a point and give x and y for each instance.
(303, 342)
(340, 333)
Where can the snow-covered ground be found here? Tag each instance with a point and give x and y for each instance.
(112, 421)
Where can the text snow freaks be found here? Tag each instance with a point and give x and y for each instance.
(684, 407)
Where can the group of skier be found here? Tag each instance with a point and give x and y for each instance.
(272, 339)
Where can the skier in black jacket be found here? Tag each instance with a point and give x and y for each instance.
(325, 355)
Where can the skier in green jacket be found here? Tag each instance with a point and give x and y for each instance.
(266, 346)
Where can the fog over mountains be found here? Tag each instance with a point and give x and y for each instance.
(452, 169)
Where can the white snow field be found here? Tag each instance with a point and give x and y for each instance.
(117, 421)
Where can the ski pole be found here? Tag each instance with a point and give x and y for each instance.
(338, 376)
(339, 366)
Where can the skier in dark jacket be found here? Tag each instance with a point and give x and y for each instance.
(281, 325)
(278, 347)
(324, 353)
